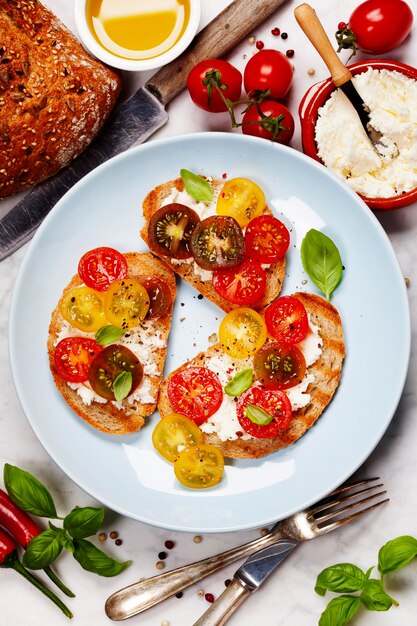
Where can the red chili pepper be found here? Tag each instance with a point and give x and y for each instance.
(9, 558)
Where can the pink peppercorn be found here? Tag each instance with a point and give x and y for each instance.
(276, 32)
(209, 597)
(260, 45)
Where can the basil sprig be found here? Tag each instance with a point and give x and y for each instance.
(122, 385)
(197, 186)
(258, 415)
(108, 334)
(239, 383)
(29, 494)
(321, 261)
(346, 578)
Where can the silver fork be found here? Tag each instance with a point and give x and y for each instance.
(341, 507)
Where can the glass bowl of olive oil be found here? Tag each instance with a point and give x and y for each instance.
(137, 34)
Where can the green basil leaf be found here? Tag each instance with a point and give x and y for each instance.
(239, 383)
(42, 550)
(341, 578)
(374, 598)
(28, 493)
(94, 560)
(340, 611)
(197, 186)
(321, 260)
(122, 385)
(84, 522)
(396, 553)
(108, 334)
(258, 415)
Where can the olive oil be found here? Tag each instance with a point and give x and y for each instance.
(137, 29)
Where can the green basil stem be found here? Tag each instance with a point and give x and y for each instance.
(13, 562)
(58, 582)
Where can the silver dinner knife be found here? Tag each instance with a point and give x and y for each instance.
(136, 119)
(247, 579)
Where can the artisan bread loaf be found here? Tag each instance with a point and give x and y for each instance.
(107, 416)
(275, 273)
(54, 97)
(326, 370)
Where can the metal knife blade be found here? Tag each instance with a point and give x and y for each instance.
(260, 565)
(135, 120)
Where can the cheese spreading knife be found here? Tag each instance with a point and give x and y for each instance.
(136, 119)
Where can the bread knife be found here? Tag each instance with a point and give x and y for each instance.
(248, 578)
(133, 121)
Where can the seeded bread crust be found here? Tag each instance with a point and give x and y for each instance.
(274, 274)
(106, 417)
(326, 370)
(54, 97)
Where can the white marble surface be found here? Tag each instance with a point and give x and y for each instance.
(288, 597)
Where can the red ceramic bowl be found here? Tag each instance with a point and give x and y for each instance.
(315, 98)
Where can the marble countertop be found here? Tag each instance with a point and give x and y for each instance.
(287, 597)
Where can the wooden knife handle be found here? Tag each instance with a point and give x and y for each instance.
(312, 27)
(226, 30)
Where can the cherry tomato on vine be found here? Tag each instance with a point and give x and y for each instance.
(381, 25)
(205, 96)
(268, 69)
(275, 129)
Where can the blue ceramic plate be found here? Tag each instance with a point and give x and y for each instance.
(124, 473)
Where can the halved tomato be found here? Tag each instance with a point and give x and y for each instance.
(217, 242)
(83, 308)
(267, 239)
(195, 392)
(126, 302)
(99, 267)
(279, 366)
(173, 433)
(72, 357)
(274, 402)
(160, 296)
(241, 333)
(199, 466)
(242, 199)
(170, 230)
(244, 284)
(108, 365)
(287, 320)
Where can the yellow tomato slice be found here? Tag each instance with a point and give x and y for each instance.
(83, 308)
(242, 199)
(242, 332)
(173, 433)
(199, 466)
(126, 302)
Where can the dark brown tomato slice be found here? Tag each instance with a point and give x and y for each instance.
(267, 239)
(195, 392)
(99, 267)
(170, 229)
(160, 296)
(73, 356)
(286, 320)
(279, 366)
(274, 402)
(244, 284)
(217, 242)
(107, 366)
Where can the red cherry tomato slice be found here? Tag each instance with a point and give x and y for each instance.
(160, 296)
(272, 401)
(108, 364)
(286, 320)
(99, 267)
(245, 284)
(195, 392)
(279, 131)
(268, 69)
(279, 367)
(228, 75)
(72, 358)
(267, 239)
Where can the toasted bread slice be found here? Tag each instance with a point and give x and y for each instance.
(326, 371)
(126, 416)
(275, 273)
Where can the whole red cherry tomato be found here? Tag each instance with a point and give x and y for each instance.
(381, 25)
(280, 131)
(268, 69)
(205, 96)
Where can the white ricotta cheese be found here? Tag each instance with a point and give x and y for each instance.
(203, 209)
(345, 148)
